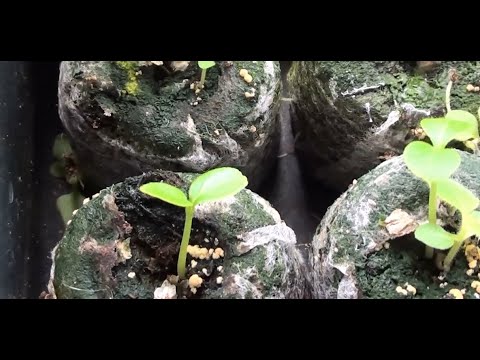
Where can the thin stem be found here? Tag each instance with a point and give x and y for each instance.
(447, 95)
(432, 214)
(451, 254)
(182, 256)
(459, 239)
(202, 78)
(429, 252)
(432, 203)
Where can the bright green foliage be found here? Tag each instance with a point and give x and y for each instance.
(212, 185)
(435, 164)
(204, 65)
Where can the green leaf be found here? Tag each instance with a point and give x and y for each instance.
(57, 169)
(434, 236)
(457, 195)
(464, 123)
(72, 178)
(430, 163)
(471, 223)
(167, 193)
(457, 124)
(206, 64)
(67, 203)
(216, 184)
(61, 147)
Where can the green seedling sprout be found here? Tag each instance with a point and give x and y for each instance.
(204, 65)
(212, 185)
(435, 163)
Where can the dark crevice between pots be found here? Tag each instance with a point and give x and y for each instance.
(300, 202)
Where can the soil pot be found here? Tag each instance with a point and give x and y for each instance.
(16, 166)
(365, 245)
(124, 244)
(352, 115)
(127, 117)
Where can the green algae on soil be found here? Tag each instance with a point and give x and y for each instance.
(163, 123)
(124, 244)
(346, 120)
(349, 246)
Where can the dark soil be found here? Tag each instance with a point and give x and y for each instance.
(155, 239)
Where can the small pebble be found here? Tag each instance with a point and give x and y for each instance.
(205, 271)
(386, 245)
(219, 280)
(470, 87)
(457, 294)
(195, 281)
(69, 222)
(472, 264)
(248, 78)
(401, 291)
(86, 200)
(193, 264)
(470, 272)
(74, 212)
(131, 275)
(411, 289)
(475, 284)
(96, 195)
(220, 268)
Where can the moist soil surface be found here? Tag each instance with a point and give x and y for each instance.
(155, 239)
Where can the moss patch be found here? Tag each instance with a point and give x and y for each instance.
(145, 116)
(154, 235)
(428, 91)
(355, 225)
(73, 277)
(403, 262)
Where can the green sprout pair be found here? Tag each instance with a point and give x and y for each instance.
(434, 163)
(204, 65)
(212, 185)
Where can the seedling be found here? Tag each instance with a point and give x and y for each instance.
(434, 163)
(65, 167)
(212, 185)
(204, 65)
